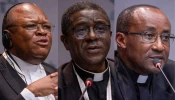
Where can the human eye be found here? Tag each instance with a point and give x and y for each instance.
(30, 26)
(101, 28)
(47, 27)
(148, 35)
(80, 30)
(165, 36)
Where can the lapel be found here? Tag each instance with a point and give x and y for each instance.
(10, 75)
(125, 82)
(160, 88)
(48, 68)
(71, 88)
(117, 95)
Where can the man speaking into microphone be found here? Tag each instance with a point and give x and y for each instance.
(87, 36)
(144, 34)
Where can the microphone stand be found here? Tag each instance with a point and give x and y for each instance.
(166, 78)
(84, 92)
(88, 83)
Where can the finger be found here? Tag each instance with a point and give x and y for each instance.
(54, 74)
(56, 93)
(56, 97)
(56, 88)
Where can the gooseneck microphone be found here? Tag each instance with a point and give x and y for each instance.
(157, 64)
(88, 83)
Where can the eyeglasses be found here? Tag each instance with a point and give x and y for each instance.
(47, 27)
(81, 31)
(149, 37)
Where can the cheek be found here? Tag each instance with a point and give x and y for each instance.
(23, 40)
(138, 50)
(75, 46)
(167, 50)
(106, 42)
(107, 39)
(50, 37)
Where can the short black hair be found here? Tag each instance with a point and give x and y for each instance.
(66, 18)
(125, 18)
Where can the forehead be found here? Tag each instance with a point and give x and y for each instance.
(26, 12)
(88, 17)
(145, 17)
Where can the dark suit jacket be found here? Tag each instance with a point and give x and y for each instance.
(160, 87)
(11, 83)
(69, 88)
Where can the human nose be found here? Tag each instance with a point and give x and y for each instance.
(158, 44)
(40, 30)
(91, 34)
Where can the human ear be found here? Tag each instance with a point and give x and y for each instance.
(65, 42)
(120, 40)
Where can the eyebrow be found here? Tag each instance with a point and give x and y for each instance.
(154, 29)
(99, 21)
(166, 31)
(80, 23)
(87, 23)
(150, 28)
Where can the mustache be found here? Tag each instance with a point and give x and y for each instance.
(159, 55)
(95, 41)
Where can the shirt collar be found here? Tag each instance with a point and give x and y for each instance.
(142, 79)
(24, 65)
(84, 74)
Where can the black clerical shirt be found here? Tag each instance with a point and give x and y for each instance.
(99, 88)
(144, 90)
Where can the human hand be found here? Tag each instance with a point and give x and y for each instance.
(56, 93)
(45, 86)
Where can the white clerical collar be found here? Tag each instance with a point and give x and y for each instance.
(142, 79)
(24, 65)
(97, 76)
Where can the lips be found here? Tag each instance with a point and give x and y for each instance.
(156, 56)
(160, 57)
(93, 49)
(42, 42)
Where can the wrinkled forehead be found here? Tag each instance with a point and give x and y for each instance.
(89, 16)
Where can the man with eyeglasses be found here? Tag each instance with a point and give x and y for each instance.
(87, 36)
(144, 34)
(27, 39)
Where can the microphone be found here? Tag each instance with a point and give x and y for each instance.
(88, 83)
(157, 64)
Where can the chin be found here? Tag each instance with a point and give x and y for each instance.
(154, 71)
(95, 60)
(41, 54)
(38, 56)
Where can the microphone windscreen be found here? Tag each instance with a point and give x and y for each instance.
(156, 61)
(89, 81)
